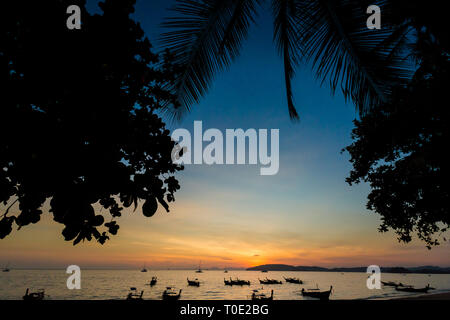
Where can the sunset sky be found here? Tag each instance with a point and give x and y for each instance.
(229, 215)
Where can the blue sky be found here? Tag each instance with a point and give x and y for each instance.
(251, 94)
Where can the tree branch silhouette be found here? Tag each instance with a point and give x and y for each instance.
(79, 118)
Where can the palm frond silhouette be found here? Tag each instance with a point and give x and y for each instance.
(205, 36)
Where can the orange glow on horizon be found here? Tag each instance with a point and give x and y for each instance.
(219, 239)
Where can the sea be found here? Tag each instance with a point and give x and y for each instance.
(115, 284)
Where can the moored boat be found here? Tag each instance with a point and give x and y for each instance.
(6, 268)
(193, 283)
(389, 283)
(38, 295)
(170, 294)
(269, 281)
(240, 282)
(133, 295)
(412, 289)
(394, 284)
(236, 282)
(199, 270)
(322, 295)
(260, 296)
(153, 281)
(293, 280)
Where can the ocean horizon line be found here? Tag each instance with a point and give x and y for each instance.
(268, 267)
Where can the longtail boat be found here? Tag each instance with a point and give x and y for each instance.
(240, 282)
(322, 295)
(193, 283)
(170, 294)
(269, 281)
(237, 282)
(38, 295)
(412, 289)
(394, 284)
(293, 280)
(133, 295)
(259, 296)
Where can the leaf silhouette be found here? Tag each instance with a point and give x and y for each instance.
(149, 207)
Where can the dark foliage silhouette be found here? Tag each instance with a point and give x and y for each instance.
(78, 123)
(401, 148)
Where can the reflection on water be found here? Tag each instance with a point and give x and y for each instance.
(115, 284)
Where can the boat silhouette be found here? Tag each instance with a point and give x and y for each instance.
(313, 293)
(170, 294)
(38, 295)
(269, 281)
(6, 268)
(133, 295)
(412, 289)
(236, 282)
(193, 283)
(259, 296)
(199, 270)
(394, 284)
(153, 281)
(293, 280)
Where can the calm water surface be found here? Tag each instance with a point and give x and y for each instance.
(115, 284)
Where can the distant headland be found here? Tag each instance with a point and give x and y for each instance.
(285, 267)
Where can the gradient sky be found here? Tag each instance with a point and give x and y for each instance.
(230, 216)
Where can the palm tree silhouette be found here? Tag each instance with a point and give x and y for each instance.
(205, 36)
